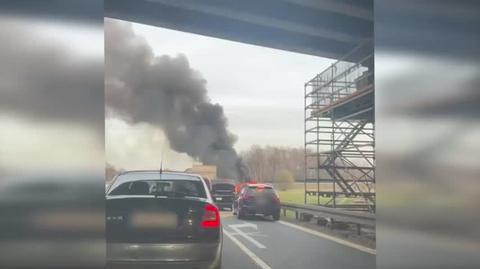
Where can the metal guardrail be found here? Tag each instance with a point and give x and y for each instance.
(359, 218)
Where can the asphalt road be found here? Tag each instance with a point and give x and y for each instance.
(262, 243)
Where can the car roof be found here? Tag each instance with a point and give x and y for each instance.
(157, 175)
(130, 176)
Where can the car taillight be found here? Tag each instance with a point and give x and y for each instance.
(211, 217)
(276, 199)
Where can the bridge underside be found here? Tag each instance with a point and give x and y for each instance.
(326, 28)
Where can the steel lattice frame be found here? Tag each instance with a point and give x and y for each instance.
(339, 134)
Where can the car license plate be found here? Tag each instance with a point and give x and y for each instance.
(154, 220)
(219, 198)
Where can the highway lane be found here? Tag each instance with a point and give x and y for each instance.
(261, 243)
(234, 257)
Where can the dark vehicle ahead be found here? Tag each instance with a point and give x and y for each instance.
(257, 199)
(164, 219)
(224, 194)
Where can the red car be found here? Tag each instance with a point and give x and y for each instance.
(256, 199)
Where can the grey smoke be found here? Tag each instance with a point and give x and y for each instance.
(166, 92)
(44, 80)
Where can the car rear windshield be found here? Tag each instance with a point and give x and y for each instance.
(260, 190)
(223, 187)
(170, 188)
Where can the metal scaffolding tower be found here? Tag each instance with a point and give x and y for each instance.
(339, 133)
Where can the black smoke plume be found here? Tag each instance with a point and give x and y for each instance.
(166, 92)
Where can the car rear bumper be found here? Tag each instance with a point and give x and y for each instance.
(224, 204)
(162, 265)
(224, 200)
(265, 210)
(180, 255)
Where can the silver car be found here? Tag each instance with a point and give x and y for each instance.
(162, 219)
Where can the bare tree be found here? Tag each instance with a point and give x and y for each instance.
(264, 163)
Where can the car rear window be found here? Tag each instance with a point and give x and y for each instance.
(223, 187)
(260, 190)
(170, 188)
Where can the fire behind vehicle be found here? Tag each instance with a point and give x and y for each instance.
(257, 199)
(162, 219)
(223, 192)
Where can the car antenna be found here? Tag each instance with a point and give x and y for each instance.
(161, 167)
(161, 158)
(161, 163)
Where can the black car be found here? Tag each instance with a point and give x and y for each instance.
(162, 219)
(224, 194)
(257, 199)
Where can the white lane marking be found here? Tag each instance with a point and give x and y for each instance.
(331, 238)
(245, 224)
(252, 234)
(226, 214)
(236, 228)
(247, 251)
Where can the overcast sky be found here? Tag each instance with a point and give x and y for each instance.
(260, 89)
